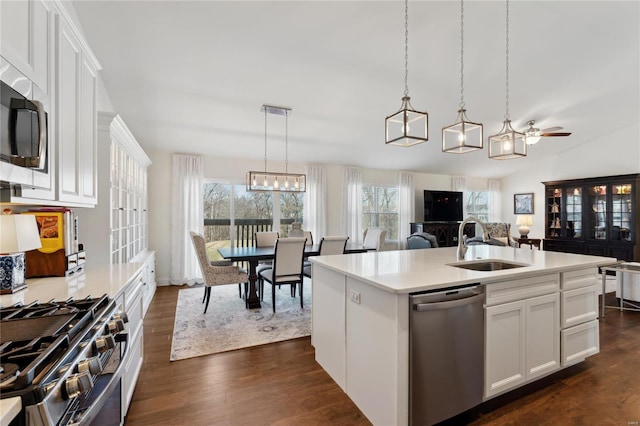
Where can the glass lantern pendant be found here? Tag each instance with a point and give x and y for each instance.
(407, 127)
(462, 136)
(507, 143)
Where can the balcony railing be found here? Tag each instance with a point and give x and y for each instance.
(245, 229)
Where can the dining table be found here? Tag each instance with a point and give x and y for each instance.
(253, 255)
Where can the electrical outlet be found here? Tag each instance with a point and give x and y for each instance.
(354, 296)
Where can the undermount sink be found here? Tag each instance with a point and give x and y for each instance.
(487, 265)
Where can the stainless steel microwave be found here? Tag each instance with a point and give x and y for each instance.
(23, 129)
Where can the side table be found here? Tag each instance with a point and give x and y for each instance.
(531, 241)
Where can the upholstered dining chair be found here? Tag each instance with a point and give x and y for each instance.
(214, 273)
(373, 238)
(328, 245)
(309, 236)
(265, 239)
(287, 267)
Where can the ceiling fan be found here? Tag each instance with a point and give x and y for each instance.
(532, 135)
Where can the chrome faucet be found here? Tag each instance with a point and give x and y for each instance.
(462, 249)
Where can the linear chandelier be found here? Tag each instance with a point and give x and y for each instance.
(265, 181)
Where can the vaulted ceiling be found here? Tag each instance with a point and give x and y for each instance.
(191, 76)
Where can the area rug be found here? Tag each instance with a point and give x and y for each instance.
(228, 325)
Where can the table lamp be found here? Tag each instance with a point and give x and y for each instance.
(524, 220)
(18, 233)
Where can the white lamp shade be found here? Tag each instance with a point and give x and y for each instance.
(524, 219)
(18, 233)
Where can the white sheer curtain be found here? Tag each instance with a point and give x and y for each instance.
(495, 200)
(406, 201)
(315, 201)
(186, 216)
(352, 204)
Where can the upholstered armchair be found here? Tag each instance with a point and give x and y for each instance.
(499, 235)
(419, 240)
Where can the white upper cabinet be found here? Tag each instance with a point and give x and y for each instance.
(76, 117)
(25, 30)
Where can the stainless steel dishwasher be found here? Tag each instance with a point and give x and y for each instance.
(446, 353)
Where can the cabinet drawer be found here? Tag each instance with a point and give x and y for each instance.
(509, 291)
(581, 278)
(579, 305)
(579, 342)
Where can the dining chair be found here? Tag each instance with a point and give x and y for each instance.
(309, 236)
(216, 273)
(287, 267)
(328, 246)
(265, 239)
(373, 238)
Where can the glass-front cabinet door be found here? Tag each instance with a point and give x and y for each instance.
(573, 221)
(597, 212)
(554, 213)
(621, 212)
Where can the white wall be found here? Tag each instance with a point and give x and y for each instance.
(234, 170)
(615, 154)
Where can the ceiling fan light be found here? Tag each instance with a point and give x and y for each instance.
(532, 138)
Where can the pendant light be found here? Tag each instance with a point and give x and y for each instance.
(462, 136)
(266, 181)
(406, 127)
(507, 143)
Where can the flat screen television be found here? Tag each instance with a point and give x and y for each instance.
(442, 206)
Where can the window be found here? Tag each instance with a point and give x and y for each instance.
(478, 205)
(380, 209)
(232, 215)
(291, 208)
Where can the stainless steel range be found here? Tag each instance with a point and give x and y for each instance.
(63, 359)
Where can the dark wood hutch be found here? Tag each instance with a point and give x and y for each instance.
(594, 216)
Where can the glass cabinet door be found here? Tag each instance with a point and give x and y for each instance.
(621, 212)
(554, 209)
(597, 215)
(573, 203)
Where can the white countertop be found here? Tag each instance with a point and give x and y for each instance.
(94, 281)
(408, 271)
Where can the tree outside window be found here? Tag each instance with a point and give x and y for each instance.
(478, 205)
(380, 209)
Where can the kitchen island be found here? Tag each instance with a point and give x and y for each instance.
(539, 318)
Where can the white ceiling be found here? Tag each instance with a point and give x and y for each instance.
(191, 76)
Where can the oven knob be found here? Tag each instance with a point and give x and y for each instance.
(115, 326)
(121, 316)
(77, 384)
(104, 343)
(90, 365)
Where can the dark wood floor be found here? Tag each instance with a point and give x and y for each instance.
(281, 384)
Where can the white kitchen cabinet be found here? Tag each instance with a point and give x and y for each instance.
(122, 204)
(76, 117)
(522, 336)
(25, 34)
(132, 362)
(148, 280)
(579, 326)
